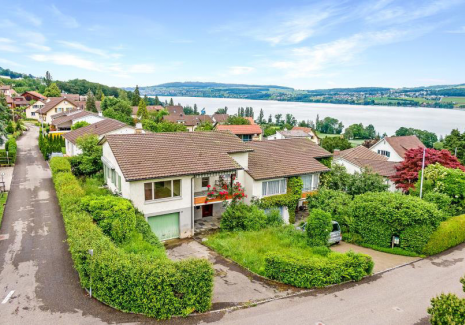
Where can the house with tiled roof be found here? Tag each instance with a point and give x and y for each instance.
(54, 105)
(33, 95)
(294, 133)
(150, 108)
(356, 159)
(102, 128)
(246, 132)
(272, 163)
(65, 120)
(313, 136)
(394, 148)
(190, 121)
(31, 110)
(220, 118)
(167, 175)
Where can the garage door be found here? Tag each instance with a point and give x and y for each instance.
(165, 226)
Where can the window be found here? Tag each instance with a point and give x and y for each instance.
(33, 113)
(384, 153)
(205, 181)
(308, 183)
(162, 190)
(274, 187)
(119, 183)
(246, 137)
(113, 177)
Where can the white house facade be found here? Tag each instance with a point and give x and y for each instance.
(394, 148)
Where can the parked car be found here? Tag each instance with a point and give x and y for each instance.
(334, 237)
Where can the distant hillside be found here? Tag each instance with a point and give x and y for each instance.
(14, 75)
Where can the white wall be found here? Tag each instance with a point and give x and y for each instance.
(384, 145)
(91, 119)
(33, 108)
(276, 136)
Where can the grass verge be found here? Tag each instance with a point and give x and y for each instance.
(3, 199)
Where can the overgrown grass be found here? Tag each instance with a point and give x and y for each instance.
(3, 198)
(248, 248)
(93, 185)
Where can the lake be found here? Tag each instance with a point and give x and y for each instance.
(385, 118)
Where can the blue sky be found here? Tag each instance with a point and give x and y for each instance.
(302, 44)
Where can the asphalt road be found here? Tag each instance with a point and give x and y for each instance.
(38, 284)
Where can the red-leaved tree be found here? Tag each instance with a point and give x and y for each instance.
(407, 171)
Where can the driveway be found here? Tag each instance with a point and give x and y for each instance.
(383, 261)
(233, 285)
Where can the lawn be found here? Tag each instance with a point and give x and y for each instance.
(355, 142)
(248, 248)
(457, 100)
(3, 198)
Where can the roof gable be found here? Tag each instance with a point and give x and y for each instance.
(100, 128)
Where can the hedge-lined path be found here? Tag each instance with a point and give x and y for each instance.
(34, 259)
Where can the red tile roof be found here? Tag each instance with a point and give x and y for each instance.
(71, 117)
(100, 128)
(52, 102)
(365, 158)
(188, 120)
(285, 158)
(241, 129)
(158, 155)
(35, 94)
(403, 144)
(220, 118)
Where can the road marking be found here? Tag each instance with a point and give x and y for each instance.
(8, 297)
(4, 237)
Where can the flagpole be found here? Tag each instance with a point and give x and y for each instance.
(422, 173)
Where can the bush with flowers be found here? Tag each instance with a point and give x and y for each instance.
(235, 192)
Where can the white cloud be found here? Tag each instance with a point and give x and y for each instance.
(8, 45)
(10, 63)
(87, 49)
(67, 60)
(141, 68)
(240, 70)
(318, 59)
(29, 17)
(38, 47)
(460, 30)
(67, 20)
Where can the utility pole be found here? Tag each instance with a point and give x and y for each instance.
(422, 173)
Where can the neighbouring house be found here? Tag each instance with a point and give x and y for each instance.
(289, 134)
(272, 163)
(20, 101)
(82, 104)
(190, 121)
(7, 90)
(220, 118)
(355, 159)
(75, 97)
(247, 132)
(394, 148)
(33, 95)
(313, 136)
(31, 110)
(101, 129)
(175, 110)
(54, 105)
(151, 108)
(167, 176)
(67, 119)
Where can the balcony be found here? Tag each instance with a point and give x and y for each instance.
(200, 198)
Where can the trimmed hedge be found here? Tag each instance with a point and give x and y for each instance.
(129, 282)
(379, 216)
(60, 165)
(11, 147)
(450, 233)
(332, 201)
(318, 272)
(319, 227)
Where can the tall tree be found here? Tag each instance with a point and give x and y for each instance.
(290, 119)
(136, 96)
(99, 93)
(48, 79)
(407, 171)
(142, 112)
(261, 116)
(270, 119)
(52, 91)
(196, 110)
(171, 102)
(90, 102)
(455, 143)
(428, 138)
(157, 101)
(278, 118)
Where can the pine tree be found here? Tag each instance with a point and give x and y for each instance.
(136, 96)
(247, 110)
(90, 103)
(48, 79)
(261, 116)
(270, 119)
(196, 111)
(157, 101)
(99, 94)
(142, 112)
(52, 91)
(171, 102)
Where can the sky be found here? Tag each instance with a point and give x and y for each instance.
(300, 44)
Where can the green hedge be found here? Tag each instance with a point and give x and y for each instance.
(319, 227)
(332, 201)
(317, 272)
(448, 309)
(379, 216)
(60, 165)
(240, 216)
(129, 282)
(450, 233)
(11, 147)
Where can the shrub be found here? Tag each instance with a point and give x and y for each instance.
(60, 165)
(317, 272)
(450, 233)
(116, 216)
(448, 309)
(318, 227)
(334, 202)
(442, 201)
(129, 282)
(379, 216)
(274, 218)
(241, 216)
